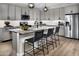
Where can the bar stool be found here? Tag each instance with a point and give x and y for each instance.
(57, 34)
(38, 35)
(48, 42)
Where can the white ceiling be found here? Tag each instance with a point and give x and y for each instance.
(49, 5)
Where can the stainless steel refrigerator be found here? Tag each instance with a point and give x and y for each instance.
(72, 25)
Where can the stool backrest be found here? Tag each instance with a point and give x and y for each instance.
(50, 31)
(57, 30)
(38, 35)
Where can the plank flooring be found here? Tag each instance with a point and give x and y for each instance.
(68, 47)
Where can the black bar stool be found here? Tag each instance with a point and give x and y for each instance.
(57, 34)
(38, 35)
(48, 42)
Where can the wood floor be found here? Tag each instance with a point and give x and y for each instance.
(68, 47)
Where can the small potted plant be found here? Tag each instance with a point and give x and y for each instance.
(24, 26)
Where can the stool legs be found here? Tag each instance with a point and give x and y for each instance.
(55, 40)
(33, 49)
(52, 42)
(58, 40)
(42, 47)
(24, 49)
(47, 46)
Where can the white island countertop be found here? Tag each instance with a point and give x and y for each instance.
(32, 29)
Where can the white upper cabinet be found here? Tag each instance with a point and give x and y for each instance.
(52, 14)
(31, 13)
(37, 14)
(62, 13)
(46, 15)
(4, 11)
(12, 12)
(7, 10)
(56, 13)
(15, 12)
(34, 14)
(18, 13)
(42, 15)
(0, 12)
(23, 10)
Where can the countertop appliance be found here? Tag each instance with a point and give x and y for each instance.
(72, 25)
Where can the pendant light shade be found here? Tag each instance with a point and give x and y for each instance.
(31, 5)
(45, 8)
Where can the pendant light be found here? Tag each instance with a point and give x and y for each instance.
(45, 8)
(31, 5)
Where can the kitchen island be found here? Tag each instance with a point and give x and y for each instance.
(19, 36)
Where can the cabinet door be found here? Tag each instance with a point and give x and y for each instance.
(62, 13)
(0, 11)
(31, 13)
(12, 12)
(52, 14)
(23, 11)
(42, 15)
(47, 15)
(4, 10)
(36, 14)
(61, 31)
(5, 35)
(56, 13)
(0, 34)
(18, 13)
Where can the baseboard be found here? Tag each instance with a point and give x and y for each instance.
(7, 40)
(61, 36)
(68, 37)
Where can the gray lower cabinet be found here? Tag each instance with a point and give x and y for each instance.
(4, 35)
(0, 34)
(62, 31)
